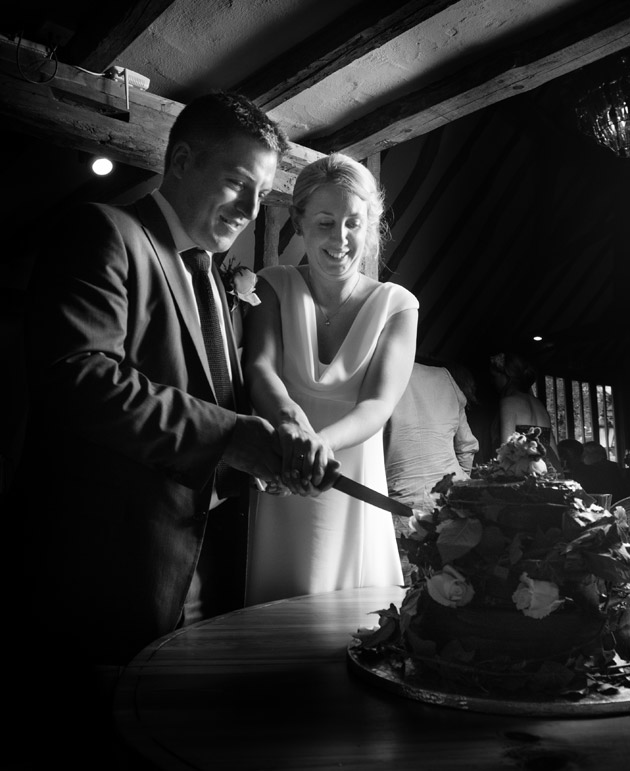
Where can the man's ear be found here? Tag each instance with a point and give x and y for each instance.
(181, 158)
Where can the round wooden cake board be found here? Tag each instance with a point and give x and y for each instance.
(380, 674)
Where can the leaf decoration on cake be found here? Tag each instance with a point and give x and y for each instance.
(607, 566)
(389, 626)
(622, 634)
(515, 551)
(409, 608)
(457, 537)
(552, 677)
(419, 646)
(492, 542)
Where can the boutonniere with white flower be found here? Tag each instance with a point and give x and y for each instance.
(240, 283)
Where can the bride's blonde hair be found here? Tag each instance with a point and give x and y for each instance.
(354, 177)
(520, 373)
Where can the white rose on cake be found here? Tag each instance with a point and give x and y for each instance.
(536, 599)
(450, 588)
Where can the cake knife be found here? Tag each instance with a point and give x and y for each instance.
(368, 495)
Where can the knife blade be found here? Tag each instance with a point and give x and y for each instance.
(368, 495)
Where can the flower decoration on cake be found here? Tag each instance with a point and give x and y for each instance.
(512, 569)
(523, 454)
(450, 588)
(536, 599)
(239, 282)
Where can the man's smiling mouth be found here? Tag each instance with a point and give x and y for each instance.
(232, 224)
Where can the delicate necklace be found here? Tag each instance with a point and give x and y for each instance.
(328, 319)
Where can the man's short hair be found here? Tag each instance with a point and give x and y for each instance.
(594, 452)
(217, 117)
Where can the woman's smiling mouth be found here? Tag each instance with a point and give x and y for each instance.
(336, 255)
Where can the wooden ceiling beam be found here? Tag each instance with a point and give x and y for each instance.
(111, 29)
(350, 36)
(71, 108)
(574, 43)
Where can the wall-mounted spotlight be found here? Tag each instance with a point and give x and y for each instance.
(101, 165)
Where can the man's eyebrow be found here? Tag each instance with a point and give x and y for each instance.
(240, 170)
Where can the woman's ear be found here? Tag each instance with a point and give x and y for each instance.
(295, 220)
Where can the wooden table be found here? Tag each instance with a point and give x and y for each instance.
(268, 687)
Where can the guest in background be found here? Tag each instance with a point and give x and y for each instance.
(571, 453)
(327, 355)
(126, 533)
(428, 434)
(519, 410)
(605, 475)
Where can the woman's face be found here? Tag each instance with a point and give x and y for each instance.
(334, 227)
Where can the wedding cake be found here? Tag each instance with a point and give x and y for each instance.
(521, 584)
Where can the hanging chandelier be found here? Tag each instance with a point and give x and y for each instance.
(603, 109)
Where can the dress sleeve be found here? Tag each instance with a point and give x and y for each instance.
(401, 299)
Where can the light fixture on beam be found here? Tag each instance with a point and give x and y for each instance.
(603, 109)
(101, 165)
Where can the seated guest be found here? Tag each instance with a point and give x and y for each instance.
(428, 434)
(605, 475)
(571, 453)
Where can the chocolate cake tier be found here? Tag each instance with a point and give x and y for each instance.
(501, 632)
(521, 505)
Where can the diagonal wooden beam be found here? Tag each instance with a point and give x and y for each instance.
(350, 36)
(575, 43)
(72, 108)
(110, 30)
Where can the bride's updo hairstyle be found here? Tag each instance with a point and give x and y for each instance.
(520, 373)
(345, 172)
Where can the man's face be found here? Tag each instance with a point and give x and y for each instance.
(218, 193)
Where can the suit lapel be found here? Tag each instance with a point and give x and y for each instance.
(159, 235)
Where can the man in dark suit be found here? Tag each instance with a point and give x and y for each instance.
(128, 534)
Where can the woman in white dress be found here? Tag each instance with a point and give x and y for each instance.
(328, 353)
(519, 410)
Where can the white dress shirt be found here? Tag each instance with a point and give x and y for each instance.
(182, 243)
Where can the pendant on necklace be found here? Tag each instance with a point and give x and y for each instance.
(327, 323)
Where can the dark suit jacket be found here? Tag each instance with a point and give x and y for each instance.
(124, 436)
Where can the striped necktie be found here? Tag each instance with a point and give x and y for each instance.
(199, 263)
(227, 481)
